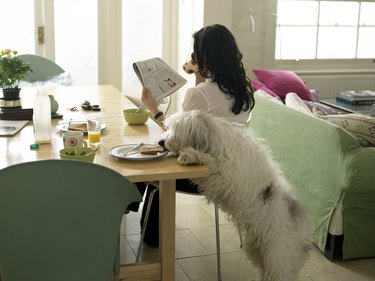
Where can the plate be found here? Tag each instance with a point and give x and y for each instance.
(63, 127)
(134, 155)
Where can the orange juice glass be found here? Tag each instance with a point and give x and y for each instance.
(94, 136)
(94, 131)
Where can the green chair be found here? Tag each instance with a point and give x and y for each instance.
(43, 69)
(60, 220)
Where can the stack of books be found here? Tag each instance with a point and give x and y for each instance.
(365, 97)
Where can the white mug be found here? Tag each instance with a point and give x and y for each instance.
(73, 139)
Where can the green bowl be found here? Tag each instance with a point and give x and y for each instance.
(86, 154)
(138, 118)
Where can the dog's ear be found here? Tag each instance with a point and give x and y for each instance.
(192, 129)
(200, 130)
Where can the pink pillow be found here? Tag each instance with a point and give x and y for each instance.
(257, 85)
(282, 82)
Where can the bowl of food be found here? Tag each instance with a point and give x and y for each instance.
(86, 154)
(132, 117)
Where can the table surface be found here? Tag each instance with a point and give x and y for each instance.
(347, 108)
(118, 132)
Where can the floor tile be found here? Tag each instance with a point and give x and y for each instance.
(317, 264)
(341, 276)
(196, 249)
(235, 267)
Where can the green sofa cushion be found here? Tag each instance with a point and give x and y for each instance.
(324, 164)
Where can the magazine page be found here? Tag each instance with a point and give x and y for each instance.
(10, 128)
(158, 77)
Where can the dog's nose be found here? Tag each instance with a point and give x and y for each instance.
(161, 143)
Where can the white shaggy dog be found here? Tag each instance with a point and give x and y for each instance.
(248, 185)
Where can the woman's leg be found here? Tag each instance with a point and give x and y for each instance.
(135, 205)
(185, 185)
(151, 237)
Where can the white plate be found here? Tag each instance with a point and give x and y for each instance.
(135, 155)
(63, 127)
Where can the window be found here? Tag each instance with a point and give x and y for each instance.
(142, 34)
(97, 41)
(325, 30)
(76, 39)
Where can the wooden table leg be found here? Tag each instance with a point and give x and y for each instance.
(167, 235)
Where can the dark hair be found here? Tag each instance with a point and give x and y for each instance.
(218, 58)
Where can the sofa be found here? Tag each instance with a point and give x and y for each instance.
(332, 174)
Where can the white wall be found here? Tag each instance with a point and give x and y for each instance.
(228, 13)
(218, 11)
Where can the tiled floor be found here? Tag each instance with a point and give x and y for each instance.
(196, 249)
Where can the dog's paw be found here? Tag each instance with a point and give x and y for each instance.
(189, 156)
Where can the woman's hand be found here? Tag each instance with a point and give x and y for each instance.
(149, 101)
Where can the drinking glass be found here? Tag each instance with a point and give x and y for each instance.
(93, 131)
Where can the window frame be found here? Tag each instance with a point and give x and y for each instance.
(310, 65)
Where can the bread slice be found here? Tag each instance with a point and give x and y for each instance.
(82, 127)
(152, 150)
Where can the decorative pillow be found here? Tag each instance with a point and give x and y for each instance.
(282, 82)
(257, 85)
(292, 100)
(360, 126)
(262, 93)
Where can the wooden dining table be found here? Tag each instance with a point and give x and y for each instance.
(16, 149)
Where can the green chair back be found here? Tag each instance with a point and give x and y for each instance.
(60, 220)
(43, 69)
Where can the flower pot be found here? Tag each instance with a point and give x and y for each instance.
(11, 93)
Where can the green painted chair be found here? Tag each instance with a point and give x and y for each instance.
(60, 220)
(43, 68)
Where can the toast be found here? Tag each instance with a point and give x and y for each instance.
(82, 127)
(152, 150)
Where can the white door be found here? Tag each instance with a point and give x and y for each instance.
(64, 31)
(17, 32)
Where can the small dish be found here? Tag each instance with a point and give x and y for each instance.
(85, 154)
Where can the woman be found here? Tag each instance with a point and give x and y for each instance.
(226, 93)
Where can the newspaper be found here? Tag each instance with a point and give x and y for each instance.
(158, 78)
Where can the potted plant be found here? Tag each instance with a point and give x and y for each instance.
(12, 70)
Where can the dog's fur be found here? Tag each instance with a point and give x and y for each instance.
(248, 185)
